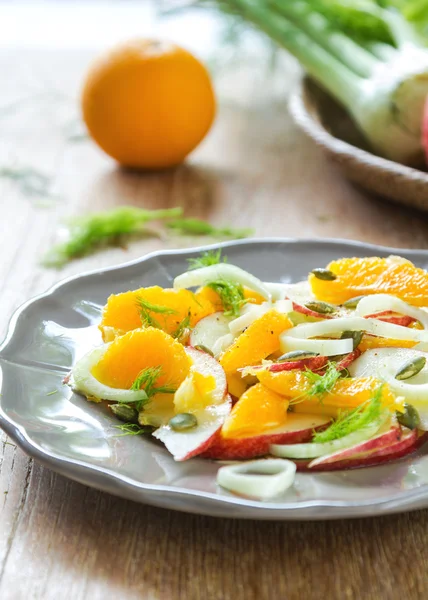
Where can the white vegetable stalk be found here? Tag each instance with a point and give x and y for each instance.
(222, 271)
(262, 479)
(383, 302)
(299, 337)
(384, 88)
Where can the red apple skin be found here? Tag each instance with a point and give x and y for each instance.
(409, 444)
(349, 359)
(202, 448)
(386, 439)
(389, 317)
(251, 447)
(314, 364)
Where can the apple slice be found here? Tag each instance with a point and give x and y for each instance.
(191, 442)
(298, 428)
(213, 333)
(375, 443)
(409, 442)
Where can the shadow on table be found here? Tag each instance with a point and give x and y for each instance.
(187, 185)
(133, 550)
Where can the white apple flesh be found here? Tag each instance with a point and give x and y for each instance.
(188, 443)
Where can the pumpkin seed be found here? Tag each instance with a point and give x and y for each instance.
(409, 418)
(203, 348)
(324, 308)
(355, 336)
(296, 355)
(353, 302)
(324, 274)
(183, 422)
(124, 413)
(411, 368)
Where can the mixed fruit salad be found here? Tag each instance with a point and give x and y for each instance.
(330, 373)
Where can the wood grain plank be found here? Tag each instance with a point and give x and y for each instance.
(61, 539)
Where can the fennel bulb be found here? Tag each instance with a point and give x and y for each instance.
(384, 86)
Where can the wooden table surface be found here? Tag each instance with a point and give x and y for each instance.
(59, 539)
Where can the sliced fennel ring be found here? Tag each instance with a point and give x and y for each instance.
(298, 338)
(385, 363)
(382, 302)
(84, 382)
(224, 271)
(314, 450)
(262, 479)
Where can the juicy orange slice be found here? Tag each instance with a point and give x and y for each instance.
(346, 393)
(371, 341)
(236, 386)
(129, 354)
(207, 294)
(258, 410)
(122, 312)
(257, 342)
(363, 276)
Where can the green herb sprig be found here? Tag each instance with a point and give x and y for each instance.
(193, 226)
(231, 296)
(105, 228)
(146, 310)
(133, 429)
(322, 384)
(182, 327)
(348, 422)
(30, 181)
(206, 259)
(146, 380)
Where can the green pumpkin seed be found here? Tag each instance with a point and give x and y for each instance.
(183, 422)
(355, 336)
(324, 274)
(296, 355)
(410, 418)
(411, 368)
(353, 302)
(124, 413)
(324, 308)
(203, 348)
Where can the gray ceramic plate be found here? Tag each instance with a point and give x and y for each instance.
(79, 439)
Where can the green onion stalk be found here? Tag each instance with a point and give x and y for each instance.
(380, 75)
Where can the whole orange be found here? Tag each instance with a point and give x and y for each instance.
(148, 103)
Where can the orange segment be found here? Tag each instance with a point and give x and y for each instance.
(346, 393)
(258, 410)
(137, 350)
(362, 276)
(236, 386)
(308, 408)
(368, 342)
(206, 293)
(257, 342)
(122, 312)
(253, 297)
